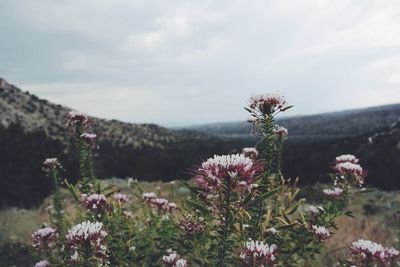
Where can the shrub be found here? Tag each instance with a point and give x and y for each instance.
(240, 211)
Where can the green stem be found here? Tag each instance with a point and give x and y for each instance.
(226, 227)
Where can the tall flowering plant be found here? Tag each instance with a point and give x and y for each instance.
(241, 211)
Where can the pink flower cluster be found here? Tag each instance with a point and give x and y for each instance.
(173, 260)
(77, 119)
(267, 103)
(43, 263)
(371, 251)
(89, 139)
(44, 238)
(161, 204)
(51, 163)
(220, 169)
(321, 232)
(88, 234)
(346, 158)
(191, 226)
(95, 202)
(258, 253)
(121, 198)
(335, 192)
(346, 166)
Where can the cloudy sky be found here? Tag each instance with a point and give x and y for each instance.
(185, 62)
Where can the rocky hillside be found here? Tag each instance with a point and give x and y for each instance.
(33, 129)
(34, 113)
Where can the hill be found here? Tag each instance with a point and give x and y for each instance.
(331, 125)
(33, 129)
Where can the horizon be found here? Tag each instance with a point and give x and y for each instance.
(189, 125)
(197, 62)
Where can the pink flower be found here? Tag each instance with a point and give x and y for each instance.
(335, 192)
(267, 103)
(352, 170)
(43, 263)
(346, 158)
(90, 139)
(88, 234)
(219, 169)
(149, 196)
(51, 163)
(368, 250)
(121, 198)
(94, 202)
(191, 226)
(321, 232)
(173, 260)
(78, 119)
(44, 238)
(258, 253)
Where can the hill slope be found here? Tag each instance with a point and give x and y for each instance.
(326, 125)
(32, 129)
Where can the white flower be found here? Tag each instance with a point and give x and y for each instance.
(321, 232)
(181, 263)
(335, 192)
(272, 230)
(258, 251)
(315, 209)
(346, 158)
(43, 263)
(169, 259)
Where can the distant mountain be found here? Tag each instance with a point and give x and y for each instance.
(331, 125)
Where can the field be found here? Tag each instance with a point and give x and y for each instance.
(373, 220)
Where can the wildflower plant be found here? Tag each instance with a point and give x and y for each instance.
(241, 210)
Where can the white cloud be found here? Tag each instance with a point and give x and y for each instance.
(182, 62)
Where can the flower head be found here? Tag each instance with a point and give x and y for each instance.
(148, 196)
(44, 238)
(267, 103)
(89, 139)
(321, 232)
(315, 209)
(121, 198)
(352, 170)
(191, 226)
(258, 252)
(219, 169)
(43, 263)
(51, 164)
(372, 251)
(94, 202)
(78, 119)
(173, 260)
(88, 234)
(335, 192)
(346, 158)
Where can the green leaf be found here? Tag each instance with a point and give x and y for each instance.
(196, 205)
(72, 189)
(264, 196)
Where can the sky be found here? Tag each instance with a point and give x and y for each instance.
(188, 62)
